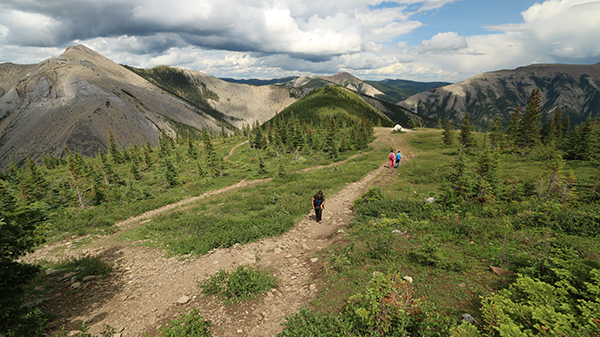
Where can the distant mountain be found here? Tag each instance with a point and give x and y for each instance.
(397, 90)
(573, 88)
(73, 101)
(255, 81)
(389, 90)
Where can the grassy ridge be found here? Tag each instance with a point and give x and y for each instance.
(332, 101)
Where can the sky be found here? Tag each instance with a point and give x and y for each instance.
(419, 40)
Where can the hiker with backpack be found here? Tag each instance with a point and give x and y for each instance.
(398, 157)
(392, 157)
(318, 203)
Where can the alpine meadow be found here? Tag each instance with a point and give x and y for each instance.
(481, 231)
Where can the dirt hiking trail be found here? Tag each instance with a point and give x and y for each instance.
(147, 289)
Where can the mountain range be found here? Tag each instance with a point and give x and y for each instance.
(573, 88)
(73, 101)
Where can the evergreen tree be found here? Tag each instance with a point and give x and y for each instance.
(259, 141)
(529, 127)
(566, 126)
(487, 171)
(262, 168)
(164, 145)
(496, 136)
(557, 124)
(34, 186)
(448, 133)
(461, 181)
(98, 187)
(411, 123)
(113, 150)
(192, 152)
(18, 224)
(77, 182)
(147, 158)
(212, 159)
(439, 123)
(171, 173)
(135, 172)
(331, 140)
(466, 137)
(201, 171)
(513, 126)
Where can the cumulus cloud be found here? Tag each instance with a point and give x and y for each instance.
(269, 38)
(442, 43)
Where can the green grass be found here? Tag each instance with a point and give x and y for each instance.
(242, 284)
(447, 249)
(248, 214)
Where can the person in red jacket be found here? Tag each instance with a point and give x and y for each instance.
(392, 158)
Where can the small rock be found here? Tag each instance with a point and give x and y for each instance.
(90, 277)
(469, 319)
(313, 287)
(183, 299)
(502, 272)
(397, 231)
(430, 200)
(73, 279)
(240, 330)
(305, 246)
(52, 325)
(408, 279)
(76, 285)
(68, 275)
(314, 259)
(289, 256)
(51, 271)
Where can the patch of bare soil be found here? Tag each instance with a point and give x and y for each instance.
(147, 288)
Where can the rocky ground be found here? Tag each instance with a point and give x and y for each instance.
(147, 289)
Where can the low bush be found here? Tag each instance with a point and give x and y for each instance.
(243, 284)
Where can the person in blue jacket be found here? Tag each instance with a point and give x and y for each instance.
(398, 157)
(318, 203)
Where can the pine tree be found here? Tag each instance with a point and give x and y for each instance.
(113, 150)
(171, 173)
(135, 172)
(411, 123)
(192, 152)
(529, 127)
(448, 133)
(331, 140)
(513, 126)
(147, 158)
(262, 168)
(77, 173)
(487, 170)
(496, 137)
(419, 123)
(34, 186)
(440, 124)
(212, 159)
(557, 124)
(466, 136)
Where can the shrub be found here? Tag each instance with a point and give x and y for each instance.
(240, 285)
(189, 325)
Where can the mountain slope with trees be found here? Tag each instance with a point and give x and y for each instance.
(575, 89)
